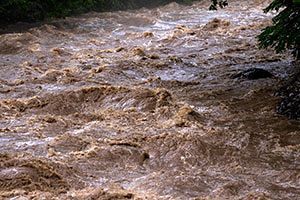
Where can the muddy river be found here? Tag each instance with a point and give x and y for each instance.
(142, 105)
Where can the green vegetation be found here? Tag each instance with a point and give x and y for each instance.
(216, 3)
(285, 31)
(33, 10)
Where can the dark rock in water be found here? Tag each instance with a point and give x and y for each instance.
(253, 74)
(290, 103)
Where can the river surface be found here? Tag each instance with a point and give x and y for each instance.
(141, 105)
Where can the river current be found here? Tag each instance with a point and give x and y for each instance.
(142, 105)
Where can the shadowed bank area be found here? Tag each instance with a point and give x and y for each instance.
(21, 15)
(31, 10)
(161, 103)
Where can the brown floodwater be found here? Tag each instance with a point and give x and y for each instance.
(141, 105)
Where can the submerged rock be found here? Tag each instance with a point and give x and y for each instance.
(253, 74)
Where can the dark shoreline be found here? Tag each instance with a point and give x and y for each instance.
(31, 14)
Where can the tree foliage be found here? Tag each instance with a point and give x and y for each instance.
(216, 3)
(284, 33)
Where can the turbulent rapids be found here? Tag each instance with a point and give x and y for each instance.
(146, 104)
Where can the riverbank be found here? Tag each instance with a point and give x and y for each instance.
(33, 11)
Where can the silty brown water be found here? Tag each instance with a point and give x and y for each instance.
(141, 105)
